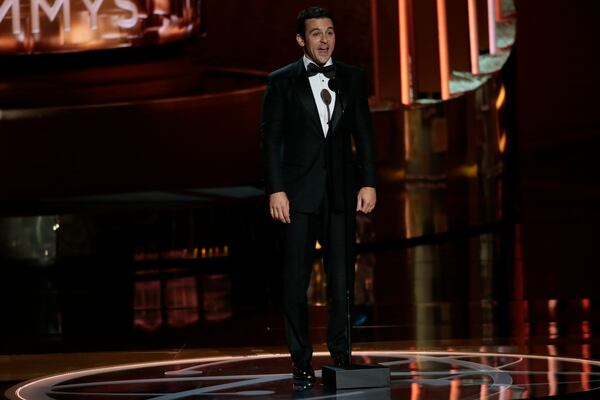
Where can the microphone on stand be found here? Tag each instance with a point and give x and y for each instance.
(350, 376)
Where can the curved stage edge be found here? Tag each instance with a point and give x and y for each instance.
(423, 375)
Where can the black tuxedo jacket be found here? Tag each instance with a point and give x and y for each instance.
(299, 160)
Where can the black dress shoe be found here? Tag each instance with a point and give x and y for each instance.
(302, 389)
(303, 371)
(340, 360)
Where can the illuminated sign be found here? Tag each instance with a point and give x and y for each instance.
(45, 26)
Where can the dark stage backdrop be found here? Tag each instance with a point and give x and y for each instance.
(558, 139)
(261, 33)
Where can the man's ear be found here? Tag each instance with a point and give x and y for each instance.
(300, 40)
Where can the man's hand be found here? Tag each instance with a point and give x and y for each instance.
(280, 207)
(366, 200)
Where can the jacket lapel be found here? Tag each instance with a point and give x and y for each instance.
(302, 88)
(337, 113)
(341, 99)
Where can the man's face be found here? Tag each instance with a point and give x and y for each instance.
(319, 39)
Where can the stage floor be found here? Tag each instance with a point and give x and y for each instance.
(486, 372)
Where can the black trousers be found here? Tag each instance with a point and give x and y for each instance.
(299, 248)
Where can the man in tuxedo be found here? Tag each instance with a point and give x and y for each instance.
(312, 109)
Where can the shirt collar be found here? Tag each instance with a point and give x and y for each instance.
(308, 61)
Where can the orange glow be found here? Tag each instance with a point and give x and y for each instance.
(407, 213)
(552, 325)
(454, 386)
(473, 37)
(502, 142)
(585, 353)
(585, 303)
(552, 330)
(406, 133)
(81, 33)
(443, 48)
(465, 170)
(585, 329)
(552, 369)
(483, 394)
(501, 97)
(317, 245)
(499, 14)
(552, 308)
(415, 391)
(404, 52)
(586, 367)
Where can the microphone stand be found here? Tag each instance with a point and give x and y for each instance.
(350, 376)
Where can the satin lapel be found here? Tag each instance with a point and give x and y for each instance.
(304, 92)
(337, 113)
(341, 100)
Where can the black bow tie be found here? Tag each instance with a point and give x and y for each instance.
(328, 71)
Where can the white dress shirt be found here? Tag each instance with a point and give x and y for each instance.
(319, 82)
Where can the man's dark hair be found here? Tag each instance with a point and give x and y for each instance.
(308, 13)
